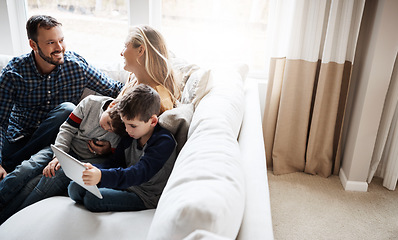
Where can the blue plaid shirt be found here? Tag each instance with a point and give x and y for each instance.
(26, 96)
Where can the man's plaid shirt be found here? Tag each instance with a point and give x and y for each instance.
(26, 96)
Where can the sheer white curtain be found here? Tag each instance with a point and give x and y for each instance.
(385, 154)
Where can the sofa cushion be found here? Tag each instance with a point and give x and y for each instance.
(177, 121)
(196, 86)
(206, 188)
(60, 218)
(194, 81)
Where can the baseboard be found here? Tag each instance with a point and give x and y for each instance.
(356, 186)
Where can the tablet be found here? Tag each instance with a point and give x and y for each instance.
(73, 169)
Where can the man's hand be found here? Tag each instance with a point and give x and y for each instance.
(49, 170)
(3, 173)
(92, 175)
(99, 147)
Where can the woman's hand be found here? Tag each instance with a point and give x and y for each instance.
(92, 175)
(49, 170)
(99, 147)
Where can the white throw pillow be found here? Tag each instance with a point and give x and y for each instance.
(177, 121)
(197, 86)
(195, 82)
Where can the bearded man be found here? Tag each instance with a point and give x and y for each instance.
(38, 91)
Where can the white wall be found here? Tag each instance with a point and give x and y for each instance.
(373, 66)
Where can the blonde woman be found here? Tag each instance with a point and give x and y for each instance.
(146, 57)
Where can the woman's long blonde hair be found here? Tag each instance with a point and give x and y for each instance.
(156, 57)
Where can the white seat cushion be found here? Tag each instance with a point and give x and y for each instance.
(60, 218)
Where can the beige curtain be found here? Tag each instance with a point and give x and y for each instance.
(312, 46)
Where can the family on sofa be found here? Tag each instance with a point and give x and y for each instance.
(132, 154)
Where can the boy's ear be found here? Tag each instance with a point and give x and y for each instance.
(154, 120)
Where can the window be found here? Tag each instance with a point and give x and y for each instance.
(207, 32)
(96, 30)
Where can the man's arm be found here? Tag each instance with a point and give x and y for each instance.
(101, 83)
(7, 91)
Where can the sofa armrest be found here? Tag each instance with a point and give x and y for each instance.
(257, 221)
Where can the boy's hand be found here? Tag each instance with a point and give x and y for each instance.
(3, 173)
(99, 147)
(49, 170)
(91, 176)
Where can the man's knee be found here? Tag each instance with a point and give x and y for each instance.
(28, 168)
(59, 114)
(67, 106)
(34, 166)
(64, 109)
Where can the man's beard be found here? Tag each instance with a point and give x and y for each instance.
(49, 59)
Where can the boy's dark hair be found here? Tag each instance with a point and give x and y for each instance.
(141, 101)
(117, 124)
(37, 21)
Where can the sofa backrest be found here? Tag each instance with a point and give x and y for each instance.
(206, 187)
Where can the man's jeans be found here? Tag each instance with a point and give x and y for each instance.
(41, 187)
(11, 195)
(47, 187)
(14, 205)
(14, 153)
(17, 179)
(26, 158)
(113, 200)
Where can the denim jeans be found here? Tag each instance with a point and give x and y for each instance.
(113, 200)
(48, 187)
(14, 153)
(41, 187)
(56, 185)
(12, 184)
(15, 205)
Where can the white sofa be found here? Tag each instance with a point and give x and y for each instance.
(218, 188)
